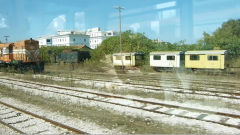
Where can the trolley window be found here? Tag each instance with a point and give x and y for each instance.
(170, 57)
(213, 58)
(127, 57)
(118, 57)
(194, 57)
(156, 57)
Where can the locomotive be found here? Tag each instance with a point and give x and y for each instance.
(21, 55)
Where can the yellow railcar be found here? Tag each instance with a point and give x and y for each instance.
(207, 59)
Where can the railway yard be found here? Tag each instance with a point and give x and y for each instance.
(58, 102)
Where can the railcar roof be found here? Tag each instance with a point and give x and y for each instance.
(132, 53)
(207, 52)
(167, 52)
(17, 43)
(5, 45)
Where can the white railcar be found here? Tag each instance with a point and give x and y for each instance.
(128, 59)
(173, 59)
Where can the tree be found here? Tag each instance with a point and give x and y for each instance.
(131, 42)
(226, 37)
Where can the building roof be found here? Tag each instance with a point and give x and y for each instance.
(131, 53)
(167, 52)
(56, 36)
(45, 37)
(207, 52)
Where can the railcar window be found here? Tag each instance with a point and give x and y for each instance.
(156, 57)
(170, 57)
(212, 58)
(127, 57)
(118, 57)
(194, 57)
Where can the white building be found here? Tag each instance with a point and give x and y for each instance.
(45, 41)
(97, 36)
(92, 38)
(65, 38)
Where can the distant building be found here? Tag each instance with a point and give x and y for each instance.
(92, 38)
(97, 36)
(65, 38)
(45, 41)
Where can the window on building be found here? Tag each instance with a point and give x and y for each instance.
(170, 57)
(74, 39)
(194, 57)
(156, 57)
(118, 57)
(85, 40)
(48, 40)
(127, 57)
(213, 58)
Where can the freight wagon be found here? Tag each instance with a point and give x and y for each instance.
(128, 59)
(23, 54)
(204, 59)
(163, 60)
(208, 59)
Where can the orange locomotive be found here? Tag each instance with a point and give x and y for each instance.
(20, 54)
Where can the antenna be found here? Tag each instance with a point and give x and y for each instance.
(120, 26)
(6, 38)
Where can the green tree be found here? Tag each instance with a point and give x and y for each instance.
(207, 42)
(226, 37)
(131, 42)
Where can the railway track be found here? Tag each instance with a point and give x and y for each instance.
(176, 85)
(154, 80)
(25, 122)
(222, 118)
(166, 88)
(157, 76)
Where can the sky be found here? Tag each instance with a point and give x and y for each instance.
(167, 20)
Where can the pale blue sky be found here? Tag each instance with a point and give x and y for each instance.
(168, 20)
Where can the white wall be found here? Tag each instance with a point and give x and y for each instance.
(79, 40)
(97, 36)
(43, 41)
(69, 40)
(124, 62)
(60, 41)
(164, 62)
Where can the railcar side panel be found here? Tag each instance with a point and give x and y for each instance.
(205, 61)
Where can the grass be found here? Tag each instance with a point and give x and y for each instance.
(105, 118)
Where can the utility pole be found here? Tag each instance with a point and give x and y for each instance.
(6, 38)
(120, 26)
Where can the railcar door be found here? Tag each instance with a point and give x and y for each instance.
(11, 52)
